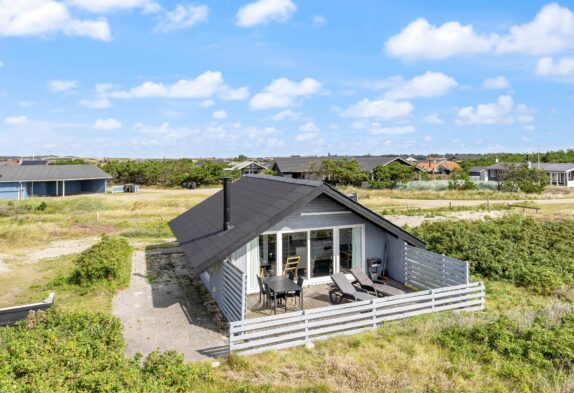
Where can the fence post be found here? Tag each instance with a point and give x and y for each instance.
(432, 299)
(374, 313)
(443, 273)
(306, 327)
(231, 331)
(405, 267)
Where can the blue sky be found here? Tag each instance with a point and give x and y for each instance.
(157, 78)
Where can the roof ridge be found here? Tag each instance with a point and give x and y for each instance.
(312, 183)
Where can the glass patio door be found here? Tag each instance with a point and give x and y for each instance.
(321, 262)
(295, 245)
(350, 248)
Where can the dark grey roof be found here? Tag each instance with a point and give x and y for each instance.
(477, 169)
(554, 167)
(312, 164)
(51, 173)
(33, 162)
(257, 203)
(545, 166)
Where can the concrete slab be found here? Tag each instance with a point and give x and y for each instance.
(166, 313)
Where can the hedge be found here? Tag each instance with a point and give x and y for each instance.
(106, 260)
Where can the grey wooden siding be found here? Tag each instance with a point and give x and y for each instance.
(308, 216)
(428, 270)
(234, 304)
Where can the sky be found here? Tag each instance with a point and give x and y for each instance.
(158, 78)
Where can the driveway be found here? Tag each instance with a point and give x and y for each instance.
(165, 312)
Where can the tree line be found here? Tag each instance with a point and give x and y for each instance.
(168, 173)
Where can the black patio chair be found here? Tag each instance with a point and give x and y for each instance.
(262, 290)
(378, 288)
(296, 294)
(345, 290)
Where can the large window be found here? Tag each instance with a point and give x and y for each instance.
(350, 253)
(295, 245)
(321, 253)
(268, 254)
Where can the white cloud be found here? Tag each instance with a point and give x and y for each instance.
(61, 86)
(102, 6)
(503, 111)
(430, 84)
(496, 83)
(206, 85)
(241, 93)
(16, 120)
(420, 39)
(376, 128)
(433, 118)
(563, 67)
(97, 103)
(551, 31)
(101, 100)
(206, 103)
(166, 130)
(47, 17)
(265, 11)
(221, 114)
(107, 124)
(182, 17)
(379, 109)
(309, 127)
(286, 114)
(280, 93)
(319, 21)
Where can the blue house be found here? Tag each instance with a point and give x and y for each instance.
(23, 181)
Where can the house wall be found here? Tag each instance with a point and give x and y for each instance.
(12, 190)
(213, 281)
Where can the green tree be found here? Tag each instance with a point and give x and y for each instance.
(459, 180)
(392, 174)
(344, 171)
(519, 177)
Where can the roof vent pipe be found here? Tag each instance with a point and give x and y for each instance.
(226, 203)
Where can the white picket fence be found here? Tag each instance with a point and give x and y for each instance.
(427, 270)
(234, 305)
(298, 328)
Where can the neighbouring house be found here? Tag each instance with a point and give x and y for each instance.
(436, 158)
(411, 160)
(254, 227)
(437, 167)
(478, 173)
(23, 181)
(34, 162)
(246, 168)
(560, 175)
(309, 168)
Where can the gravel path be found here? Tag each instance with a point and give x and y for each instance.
(166, 314)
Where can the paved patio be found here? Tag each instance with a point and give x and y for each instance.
(166, 313)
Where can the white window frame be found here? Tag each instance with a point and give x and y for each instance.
(336, 256)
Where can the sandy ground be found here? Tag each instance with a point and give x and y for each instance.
(415, 221)
(60, 248)
(166, 314)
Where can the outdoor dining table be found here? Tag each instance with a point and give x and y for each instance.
(282, 284)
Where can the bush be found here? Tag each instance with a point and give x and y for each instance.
(83, 352)
(105, 260)
(518, 249)
(521, 354)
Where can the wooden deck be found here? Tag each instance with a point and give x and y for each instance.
(314, 296)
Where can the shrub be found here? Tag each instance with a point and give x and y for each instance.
(518, 249)
(516, 352)
(105, 260)
(83, 352)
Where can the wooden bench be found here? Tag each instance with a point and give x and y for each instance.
(523, 207)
